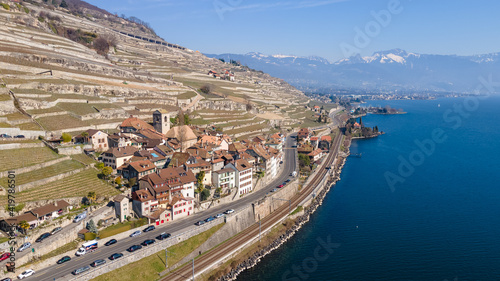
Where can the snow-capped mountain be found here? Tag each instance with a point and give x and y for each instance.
(385, 70)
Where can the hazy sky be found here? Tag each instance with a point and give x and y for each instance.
(332, 29)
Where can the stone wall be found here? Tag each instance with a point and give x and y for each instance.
(234, 224)
(16, 131)
(274, 200)
(8, 146)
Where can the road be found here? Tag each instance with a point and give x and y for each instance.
(103, 252)
(215, 256)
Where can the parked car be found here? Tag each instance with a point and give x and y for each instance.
(200, 222)
(97, 263)
(64, 259)
(134, 248)
(55, 230)
(163, 236)
(288, 180)
(80, 217)
(110, 242)
(80, 270)
(4, 256)
(135, 233)
(148, 242)
(274, 190)
(230, 211)
(26, 273)
(6, 279)
(42, 237)
(209, 219)
(115, 256)
(149, 228)
(5, 136)
(24, 246)
(280, 186)
(218, 216)
(19, 137)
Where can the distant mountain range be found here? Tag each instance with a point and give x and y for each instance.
(383, 71)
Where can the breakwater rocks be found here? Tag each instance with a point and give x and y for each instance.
(299, 222)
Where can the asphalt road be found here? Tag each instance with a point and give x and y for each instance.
(57, 271)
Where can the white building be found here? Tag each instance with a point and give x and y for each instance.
(225, 179)
(244, 180)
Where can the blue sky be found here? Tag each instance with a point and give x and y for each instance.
(323, 28)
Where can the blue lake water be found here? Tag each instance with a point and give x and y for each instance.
(441, 223)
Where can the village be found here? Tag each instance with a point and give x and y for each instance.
(167, 173)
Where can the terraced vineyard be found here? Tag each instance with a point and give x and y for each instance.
(18, 158)
(78, 185)
(83, 159)
(53, 170)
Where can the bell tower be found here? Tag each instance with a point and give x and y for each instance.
(161, 121)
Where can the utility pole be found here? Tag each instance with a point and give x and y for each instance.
(193, 269)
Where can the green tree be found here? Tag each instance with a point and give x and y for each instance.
(199, 178)
(107, 171)
(118, 180)
(92, 227)
(204, 194)
(304, 160)
(85, 136)
(92, 196)
(63, 4)
(187, 120)
(132, 182)
(66, 137)
(18, 208)
(24, 225)
(99, 165)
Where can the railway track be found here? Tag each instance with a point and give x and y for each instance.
(186, 272)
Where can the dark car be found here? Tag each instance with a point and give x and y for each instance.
(97, 263)
(134, 248)
(42, 237)
(149, 228)
(115, 256)
(110, 242)
(6, 279)
(163, 236)
(4, 256)
(288, 180)
(64, 259)
(209, 219)
(148, 242)
(200, 222)
(5, 136)
(19, 137)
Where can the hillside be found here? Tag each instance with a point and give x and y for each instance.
(70, 70)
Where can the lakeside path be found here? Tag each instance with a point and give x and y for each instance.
(244, 238)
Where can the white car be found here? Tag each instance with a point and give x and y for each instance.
(135, 233)
(230, 211)
(26, 273)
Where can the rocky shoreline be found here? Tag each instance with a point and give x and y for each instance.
(299, 222)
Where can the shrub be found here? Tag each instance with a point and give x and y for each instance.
(5, 6)
(66, 137)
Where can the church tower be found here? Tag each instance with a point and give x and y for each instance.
(161, 121)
